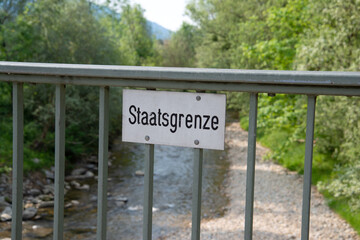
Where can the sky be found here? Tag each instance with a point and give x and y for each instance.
(168, 13)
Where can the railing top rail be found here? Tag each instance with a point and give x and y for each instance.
(304, 78)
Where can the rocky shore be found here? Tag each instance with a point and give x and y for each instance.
(277, 206)
(38, 196)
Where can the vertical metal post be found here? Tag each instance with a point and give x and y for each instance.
(250, 171)
(103, 162)
(18, 153)
(59, 162)
(148, 191)
(310, 121)
(196, 194)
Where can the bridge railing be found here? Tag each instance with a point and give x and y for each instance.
(311, 84)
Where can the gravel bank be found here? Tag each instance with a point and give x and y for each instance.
(277, 206)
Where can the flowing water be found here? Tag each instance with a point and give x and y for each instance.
(173, 178)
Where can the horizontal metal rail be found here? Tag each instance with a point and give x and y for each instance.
(253, 81)
(290, 82)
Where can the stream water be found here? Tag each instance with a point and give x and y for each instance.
(173, 178)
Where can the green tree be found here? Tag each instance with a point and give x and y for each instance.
(286, 35)
(335, 46)
(135, 39)
(179, 51)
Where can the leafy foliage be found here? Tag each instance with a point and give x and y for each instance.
(292, 35)
(180, 50)
(67, 32)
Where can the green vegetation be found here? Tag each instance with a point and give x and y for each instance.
(242, 34)
(293, 35)
(67, 32)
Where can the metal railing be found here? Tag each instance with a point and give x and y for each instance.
(311, 84)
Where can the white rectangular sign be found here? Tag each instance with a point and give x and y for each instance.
(174, 118)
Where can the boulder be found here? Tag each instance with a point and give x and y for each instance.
(29, 213)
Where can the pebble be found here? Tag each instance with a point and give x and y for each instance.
(89, 174)
(85, 187)
(49, 189)
(41, 232)
(139, 173)
(135, 208)
(49, 174)
(78, 171)
(121, 199)
(34, 192)
(47, 204)
(6, 214)
(45, 198)
(85, 174)
(35, 160)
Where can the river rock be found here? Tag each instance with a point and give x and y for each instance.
(121, 199)
(85, 187)
(47, 204)
(35, 160)
(89, 174)
(119, 204)
(49, 174)
(41, 232)
(84, 175)
(68, 205)
(34, 192)
(6, 214)
(3, 202)
(45, 197)
(78, 186)
(139, 173)
(78, 171)
(75, 184)
(93, 159)
(72, 203)
(29, 213)
(91, 166)
(34, 200)
(135, 208)
(28, 205)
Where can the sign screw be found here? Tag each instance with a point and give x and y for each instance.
(198, 98)
(196, 142)
(147, 138)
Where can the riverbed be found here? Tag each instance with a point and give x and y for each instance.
(173, 177)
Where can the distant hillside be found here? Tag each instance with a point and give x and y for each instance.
(157, 30)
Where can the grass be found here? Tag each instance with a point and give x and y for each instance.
(341, 207)
(292, 154)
